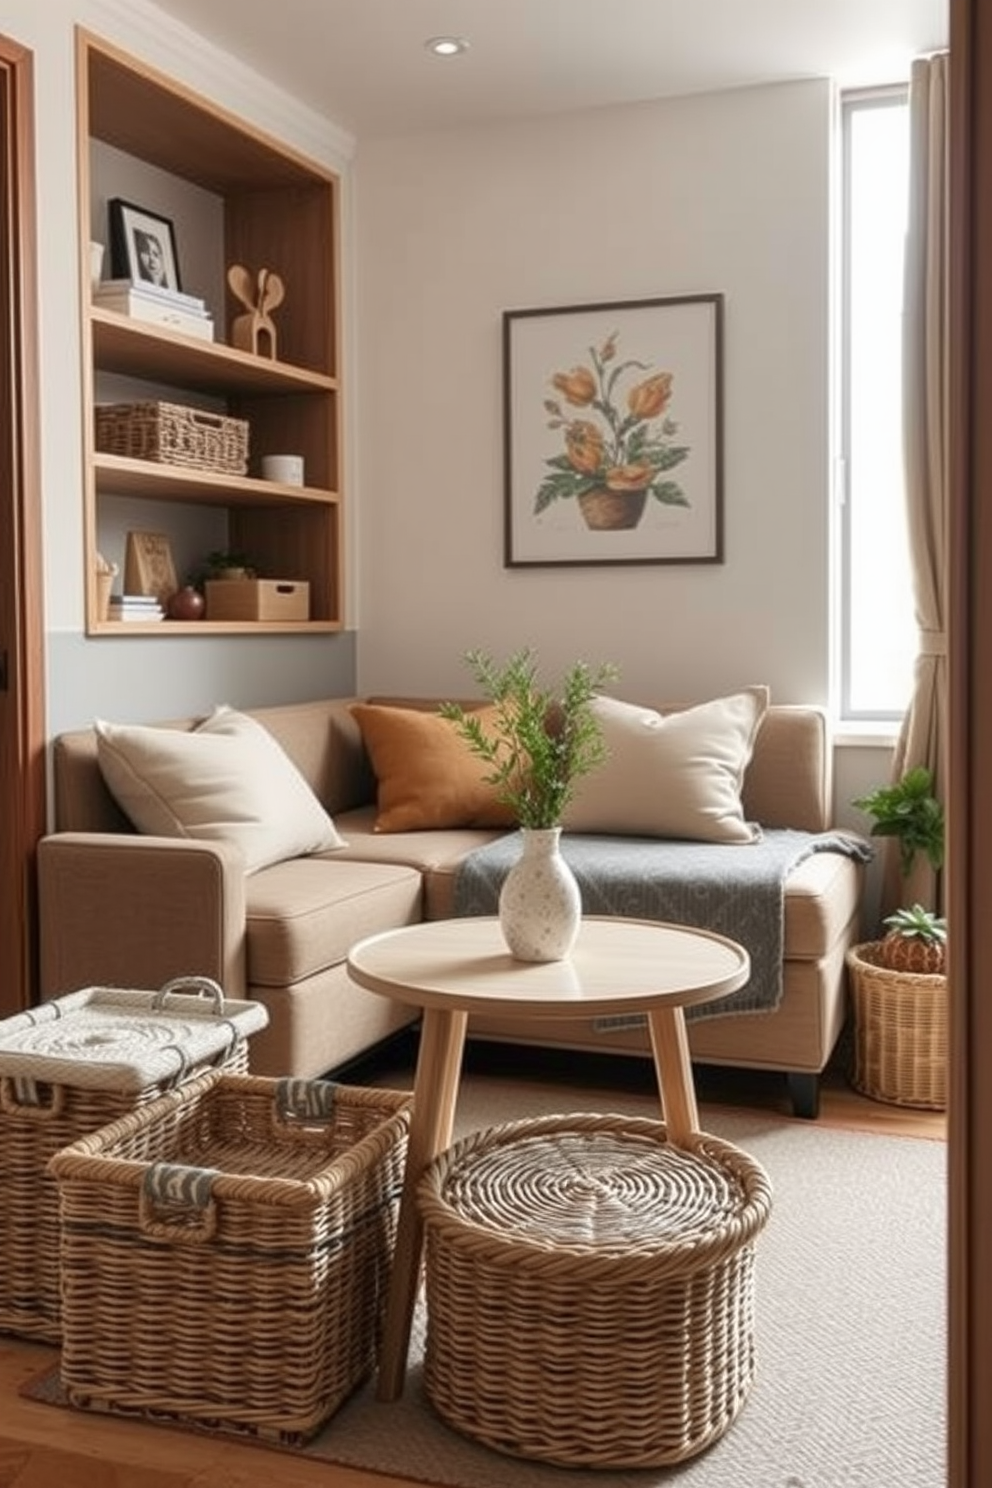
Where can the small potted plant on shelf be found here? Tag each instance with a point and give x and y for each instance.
(899, 981)
(227, 563)
(538, 742)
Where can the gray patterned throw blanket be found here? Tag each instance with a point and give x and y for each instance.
(736, 890)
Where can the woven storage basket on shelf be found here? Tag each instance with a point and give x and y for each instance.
(226, 1251)
(68, 1067)
(900, 1032)
(172, 434)
(590, 1289)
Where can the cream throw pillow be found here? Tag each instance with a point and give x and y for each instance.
(673, 775)
(226, 780)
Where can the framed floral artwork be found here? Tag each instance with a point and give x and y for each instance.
(612, 428)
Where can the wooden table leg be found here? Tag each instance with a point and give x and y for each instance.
(435, 1091)
(674, 1069)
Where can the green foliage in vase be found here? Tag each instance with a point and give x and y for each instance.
(543, 739)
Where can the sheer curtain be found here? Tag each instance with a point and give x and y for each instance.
(923, 737)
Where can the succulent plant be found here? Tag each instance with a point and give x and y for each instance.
(915, 941)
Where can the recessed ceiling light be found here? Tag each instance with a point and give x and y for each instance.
(446, 46)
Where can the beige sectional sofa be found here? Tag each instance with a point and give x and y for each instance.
(120, 908)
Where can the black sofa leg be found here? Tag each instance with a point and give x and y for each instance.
(804, 1093)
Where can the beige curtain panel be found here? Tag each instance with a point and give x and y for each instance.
(923, 738)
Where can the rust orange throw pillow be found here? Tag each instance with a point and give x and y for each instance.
(427, 776)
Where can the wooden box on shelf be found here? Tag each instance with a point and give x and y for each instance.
(257, 599)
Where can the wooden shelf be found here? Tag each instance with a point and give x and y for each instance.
(277, 210)
(118, 476)
(193, 628)
(140, 349)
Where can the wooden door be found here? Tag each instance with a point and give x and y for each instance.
(22, 726)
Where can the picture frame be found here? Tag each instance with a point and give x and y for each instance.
(149, 567)
(142, 246)
(613, 432)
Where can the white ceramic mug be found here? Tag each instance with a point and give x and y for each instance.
(287, 469)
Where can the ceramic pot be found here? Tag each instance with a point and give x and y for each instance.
(540, 907)
(187, 604)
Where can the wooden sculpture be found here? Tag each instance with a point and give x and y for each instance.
(255, 330)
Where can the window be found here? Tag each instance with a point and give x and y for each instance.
(877, 624)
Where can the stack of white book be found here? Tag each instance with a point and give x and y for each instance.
(169, 307)
(135, 607)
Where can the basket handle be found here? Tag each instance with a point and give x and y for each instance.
(22, 1097)
(177, 1203)
(203, 416)
(199, 986)
(305, 1103)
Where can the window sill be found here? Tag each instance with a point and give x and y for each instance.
(865, 735)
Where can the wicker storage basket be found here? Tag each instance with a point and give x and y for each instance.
(590, 1289)
(226, 1250)
(68, 1067)
(172, 434)
(900, 1032)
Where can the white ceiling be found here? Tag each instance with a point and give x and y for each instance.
(363, 64)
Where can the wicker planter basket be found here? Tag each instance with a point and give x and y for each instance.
(900, 1032)
(172, 434)
(67, 1068)
(590, 1289)
(226, 1251)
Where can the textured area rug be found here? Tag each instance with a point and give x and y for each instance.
(850, 1324)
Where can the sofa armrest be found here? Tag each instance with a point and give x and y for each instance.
(132, 911)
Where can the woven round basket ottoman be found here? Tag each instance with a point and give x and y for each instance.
(590, 1289)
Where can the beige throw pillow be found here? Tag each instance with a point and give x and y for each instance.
(672, 775)
(226, 780)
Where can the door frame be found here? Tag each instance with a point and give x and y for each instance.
(22, 720)
(22, 684)
(970, 792)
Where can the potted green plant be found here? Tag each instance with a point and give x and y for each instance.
(229, 563)
(899, 981)
(910, 811)
(915, 941)
(537, 741)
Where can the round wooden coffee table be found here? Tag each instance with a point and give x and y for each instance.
(451, 968)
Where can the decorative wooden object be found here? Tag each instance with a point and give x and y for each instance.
(255, 331)
(148, 566)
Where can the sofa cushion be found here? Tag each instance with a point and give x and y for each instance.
(426, 774)
(673, 775)
(226, 780)
(303, 916)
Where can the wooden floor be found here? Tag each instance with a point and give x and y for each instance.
(41, 1447)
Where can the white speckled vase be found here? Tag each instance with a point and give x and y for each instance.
(540, 907)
